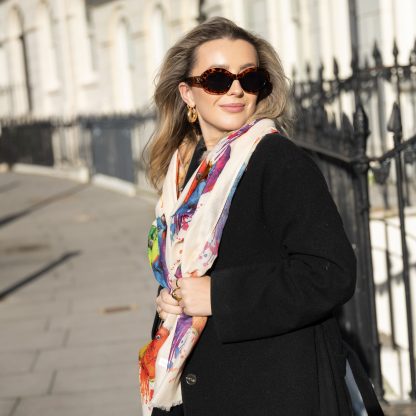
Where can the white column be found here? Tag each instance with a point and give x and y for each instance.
(236, 13)
(388, 30)
(340, 34)
(224, 8)
(122, 68)
(275, 24)
(282, 29)
(306, 48)
(79, 35)
(156, 39)
(67, 71)
(404, 14)
(20, 102)
(189, 15)
(4, 83)
(47, 58)
(326, 38)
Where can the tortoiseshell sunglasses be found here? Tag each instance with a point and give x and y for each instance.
(219, 80)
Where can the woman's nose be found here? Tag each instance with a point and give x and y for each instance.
(235, 88)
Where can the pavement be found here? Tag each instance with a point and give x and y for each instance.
(76, 298)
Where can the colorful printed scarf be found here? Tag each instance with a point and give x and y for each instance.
(183, 242)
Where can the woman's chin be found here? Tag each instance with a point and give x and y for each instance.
(234, 123)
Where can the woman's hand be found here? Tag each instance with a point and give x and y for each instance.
(196, 295)
(165, 304)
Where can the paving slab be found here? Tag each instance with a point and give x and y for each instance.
(109, 376)
(27, 384)
(10, 310)
(17, 362)
(32, 340)
(113, 409)
(7, 406)
(94, 318)
(102, 402)
(104, 334)
(10, 327)
(86, 356)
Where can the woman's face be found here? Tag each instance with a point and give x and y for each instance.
(218, 114)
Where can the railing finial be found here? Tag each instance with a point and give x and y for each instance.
(395, 122)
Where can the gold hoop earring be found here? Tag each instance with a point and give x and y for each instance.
(192, 114)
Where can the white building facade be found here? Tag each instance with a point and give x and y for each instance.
(61, 57)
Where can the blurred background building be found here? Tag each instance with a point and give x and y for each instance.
(76, 84)
(64, 58)
(81, 57)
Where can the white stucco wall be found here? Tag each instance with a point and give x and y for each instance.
(86, 77)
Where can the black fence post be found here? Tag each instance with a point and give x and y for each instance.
(367, 315)
(395, 126)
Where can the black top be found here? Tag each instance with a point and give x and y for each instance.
(196, 157)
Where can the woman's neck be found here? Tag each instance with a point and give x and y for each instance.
(212, 140)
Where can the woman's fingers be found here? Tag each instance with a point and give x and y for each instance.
(163, 315)
(166, 304)
(195, 294)
(167, 297)
(177, 310)
(193, 297)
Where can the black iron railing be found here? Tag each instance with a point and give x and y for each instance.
(341, 149)
(103, 144)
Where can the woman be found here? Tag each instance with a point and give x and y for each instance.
(247, 245)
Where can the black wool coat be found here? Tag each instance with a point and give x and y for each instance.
(272, 346)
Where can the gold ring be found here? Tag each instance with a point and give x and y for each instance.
(177, 298)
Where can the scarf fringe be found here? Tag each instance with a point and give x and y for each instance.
(167, 408)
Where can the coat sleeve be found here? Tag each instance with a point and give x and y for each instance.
(314, 269)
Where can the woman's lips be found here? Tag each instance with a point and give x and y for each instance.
(233, 108)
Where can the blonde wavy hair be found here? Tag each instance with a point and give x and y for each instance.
(172, 126)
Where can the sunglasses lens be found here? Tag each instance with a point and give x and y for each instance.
(217, 82)
(253, 81)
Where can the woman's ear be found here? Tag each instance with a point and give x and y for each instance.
(186, 94)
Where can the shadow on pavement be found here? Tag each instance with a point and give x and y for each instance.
(15, 216)
(23, 282)
(9, 186)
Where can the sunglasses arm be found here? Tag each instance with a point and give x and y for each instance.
(192, 81)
